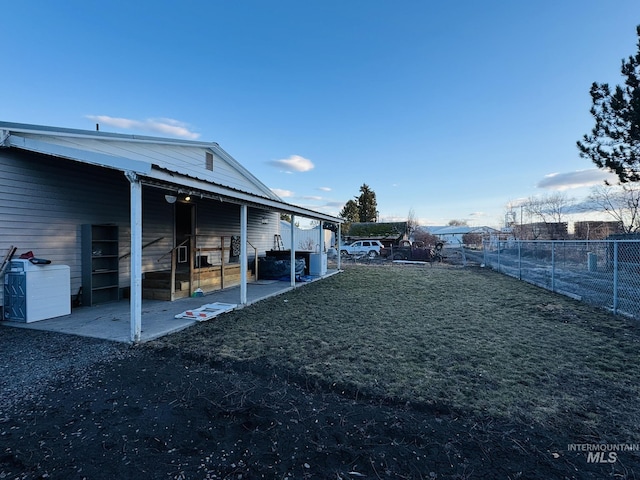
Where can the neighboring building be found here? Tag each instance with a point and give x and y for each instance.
(595, 230)
(388, 233)
(172, 207)
(542, 231)
(456, 235)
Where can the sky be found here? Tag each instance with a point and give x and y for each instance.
(446, 110)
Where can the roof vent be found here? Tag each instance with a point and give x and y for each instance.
(209, 161)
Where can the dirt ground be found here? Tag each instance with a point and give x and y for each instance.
(155, 414)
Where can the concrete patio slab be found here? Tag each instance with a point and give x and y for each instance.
(111, 321)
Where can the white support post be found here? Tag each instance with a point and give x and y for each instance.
(136, 256)
(243, 254)
(293, 251)
(338, 243)
(321, 241)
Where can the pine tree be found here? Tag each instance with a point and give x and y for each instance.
(614, 142)
(350, 212)
(367, 204)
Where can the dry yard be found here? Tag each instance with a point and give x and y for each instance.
(383, 371)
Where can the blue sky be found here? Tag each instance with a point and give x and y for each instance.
(451, 110)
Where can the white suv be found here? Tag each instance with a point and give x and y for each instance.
(370, 248)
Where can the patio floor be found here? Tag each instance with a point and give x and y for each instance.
(111, 321)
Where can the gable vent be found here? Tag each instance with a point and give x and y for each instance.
(209, 161)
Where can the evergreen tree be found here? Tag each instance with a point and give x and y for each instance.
(350, 212)
(367, 204)
(614, 142)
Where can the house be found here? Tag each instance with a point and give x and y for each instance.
(135, 215)
(455, 235)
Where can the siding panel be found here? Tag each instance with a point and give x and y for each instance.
(45, 200)
(189, 160)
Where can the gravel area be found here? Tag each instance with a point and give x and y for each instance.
(31, 360)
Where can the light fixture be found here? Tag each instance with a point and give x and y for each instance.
(170, 198)
(265, 220)
(187, 198)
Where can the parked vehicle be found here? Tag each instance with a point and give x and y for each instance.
(371, 248)
(416, 251)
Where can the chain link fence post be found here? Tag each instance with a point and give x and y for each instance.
(553, 266)
(615, 276)
(519, 259)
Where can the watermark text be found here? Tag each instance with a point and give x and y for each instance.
(603, 452)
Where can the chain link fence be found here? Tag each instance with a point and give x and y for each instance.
(604, 273)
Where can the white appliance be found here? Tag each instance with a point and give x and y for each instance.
(317, 264)
(36, 292)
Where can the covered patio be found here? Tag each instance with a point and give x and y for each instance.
(183, 216)
(111, 321)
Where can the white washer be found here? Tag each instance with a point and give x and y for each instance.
(36, 292)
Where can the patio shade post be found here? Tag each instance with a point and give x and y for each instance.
(243, 254)
(338, 241)
(136, 256)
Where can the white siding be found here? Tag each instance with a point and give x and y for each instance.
(188, 160)
(216, 219)
(157, 230)
(45, 200)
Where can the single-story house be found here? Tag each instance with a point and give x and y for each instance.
(135, 216)
(453, 234)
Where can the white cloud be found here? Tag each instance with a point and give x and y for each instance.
(325, 189)
(312, 197)
(392, 218)
(164, 126)
(518, 202)
(576, 179)
(295, 163)
(282, 193)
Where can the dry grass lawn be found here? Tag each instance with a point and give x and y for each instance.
(453, 338)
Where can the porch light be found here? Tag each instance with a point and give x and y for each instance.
(170, 198)
(265, 220)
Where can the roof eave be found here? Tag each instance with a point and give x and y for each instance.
(95, 158)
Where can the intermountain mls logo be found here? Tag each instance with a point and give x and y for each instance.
(603, 452)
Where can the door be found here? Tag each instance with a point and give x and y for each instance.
(184, 236)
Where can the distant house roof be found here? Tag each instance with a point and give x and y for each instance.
(200, 166)
(456, 230)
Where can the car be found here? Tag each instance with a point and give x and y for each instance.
(371, 248)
